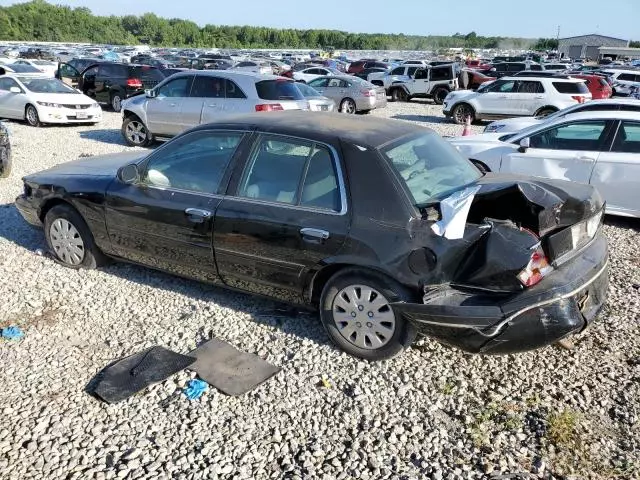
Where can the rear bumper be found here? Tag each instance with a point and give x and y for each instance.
(564, 303)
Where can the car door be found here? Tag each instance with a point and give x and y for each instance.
(235, 99)
(285, 212)
(166, 219)
(104, 81)
(498, 98)
(164, 112)
(529, 97)
(12, 105)
(419, 84)
(320, 84)
(617, 171)
(210, 92)
(335, 89)
(568, 151)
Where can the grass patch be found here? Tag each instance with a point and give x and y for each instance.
(447, 388)
(562, 429)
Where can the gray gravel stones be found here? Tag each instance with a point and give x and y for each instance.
(432, 413)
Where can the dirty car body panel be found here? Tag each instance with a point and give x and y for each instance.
(392, 183)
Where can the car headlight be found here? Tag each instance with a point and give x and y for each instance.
(49, 104)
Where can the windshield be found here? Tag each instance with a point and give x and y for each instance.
(19, 68)
(430, 167)
(46, 85)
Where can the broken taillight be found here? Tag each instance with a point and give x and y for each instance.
(537, 268)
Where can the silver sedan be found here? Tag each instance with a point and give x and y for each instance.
(317, 102)
(351, 94)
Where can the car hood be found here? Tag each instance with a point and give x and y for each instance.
(63, 98)
(98, 166)
(514, 124)
(459, 94)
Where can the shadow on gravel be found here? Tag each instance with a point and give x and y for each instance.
(290, 319)
(422, 118)
(112, 136)
(623, 222)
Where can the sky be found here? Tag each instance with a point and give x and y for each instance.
(515, 18)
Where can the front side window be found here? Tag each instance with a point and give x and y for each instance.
(430, 167)
(176, 88)
(502, 86)
(291, 171)
(195, 162)
(411, 71)
(319, 82)
(334, 82)
(627, 139)
(7, 83)
(530, 87)
(580, 136)
(422, 74)
(398, 71)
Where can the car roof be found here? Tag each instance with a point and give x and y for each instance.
(603, 115)
(560, 78)
(235, 73)
(365, 131)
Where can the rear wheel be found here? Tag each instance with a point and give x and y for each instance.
(135, 132)
(355, 310)
(439, 95)
(398, 95)
(348, 106)
(462, 112)
(32, 117)
(545, 112)
(116, 102)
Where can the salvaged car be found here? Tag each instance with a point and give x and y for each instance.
(379, 224)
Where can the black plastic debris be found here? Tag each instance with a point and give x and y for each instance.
(230, 370)
(128, 376)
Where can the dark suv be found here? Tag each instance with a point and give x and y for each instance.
(110, 82)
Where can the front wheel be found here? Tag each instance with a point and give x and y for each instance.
(398, 95)
(70, 239)
(355, 310)
(32, 117)
(135, 132)
(462, 112)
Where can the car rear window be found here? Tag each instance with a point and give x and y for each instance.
(278, 90)
(570, 87)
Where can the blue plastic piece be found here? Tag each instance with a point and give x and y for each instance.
(195, 388)
(11, 333)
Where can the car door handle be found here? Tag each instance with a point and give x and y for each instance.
(213, 104)
(315, 233)
(197, 215)
(539, 97)
(584, 158)
(173, 104)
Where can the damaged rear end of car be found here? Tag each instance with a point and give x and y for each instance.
(509, 263)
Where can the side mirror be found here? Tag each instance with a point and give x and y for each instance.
(129, 174)
(15, 90)
(150, 93)
(525, 144)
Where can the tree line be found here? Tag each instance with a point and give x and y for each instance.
(38, 20)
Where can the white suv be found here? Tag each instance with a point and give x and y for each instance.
(516, 96)
(623, 80)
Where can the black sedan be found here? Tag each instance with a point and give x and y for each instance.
(379, 224)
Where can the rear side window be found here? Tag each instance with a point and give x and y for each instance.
(535, 68)
(516, 67)
(110, 70)
(278, 90)
(570, 87)
(603, 82)
(440, 74)
(628, 138)
(530, 87)
(627, 77)
(291, 171)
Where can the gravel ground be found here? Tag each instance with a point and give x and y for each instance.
(433, 412)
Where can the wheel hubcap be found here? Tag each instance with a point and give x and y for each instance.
(463, 113)
(136, 133)
(363, 317)
(67, 242)
(349, 107)
(32, 115)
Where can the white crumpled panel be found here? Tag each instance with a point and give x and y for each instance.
(455, 210)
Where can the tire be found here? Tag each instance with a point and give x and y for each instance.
(353, 332)
(439, 95)
(31, 116)
(348, 106)
(461, 112)
(5, 161)
(135, 132)
(70, 240)
(116, 102)
(398, 95)
(545, 112)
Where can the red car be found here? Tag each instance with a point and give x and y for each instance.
(360, 65)
(597, 85)
(477, 64)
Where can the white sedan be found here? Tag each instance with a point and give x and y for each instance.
(45, 66)
(312, 73)
(597, 148)
(45, 100)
